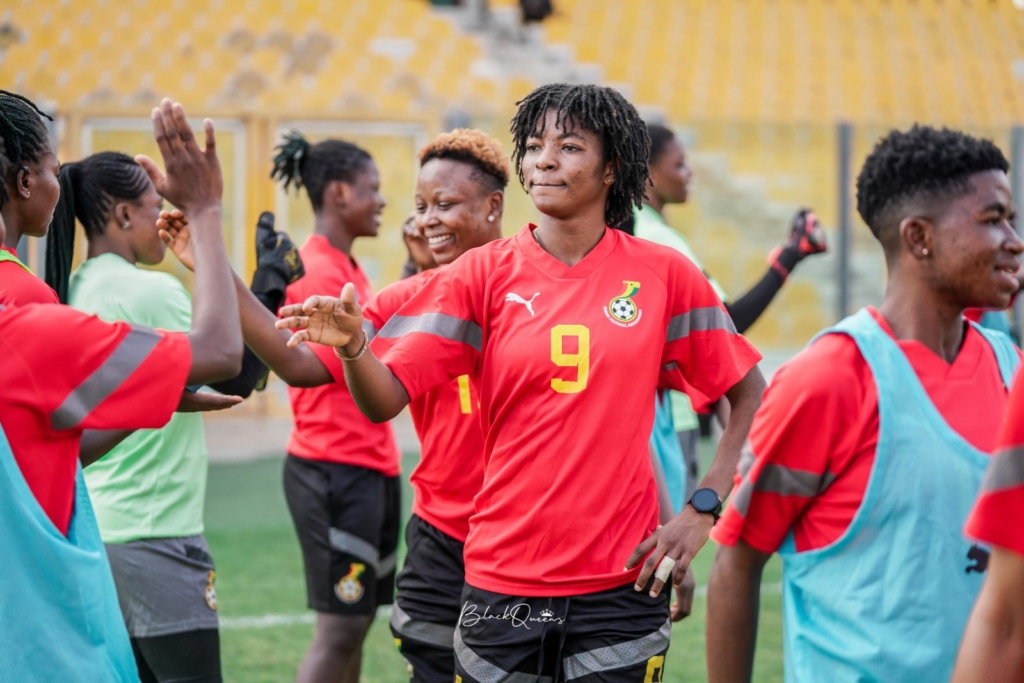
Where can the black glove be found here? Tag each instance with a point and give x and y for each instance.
(806, 238)
(277, 261)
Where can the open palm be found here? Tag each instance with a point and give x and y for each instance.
(323, 319)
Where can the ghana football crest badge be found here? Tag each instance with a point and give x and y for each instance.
(622, 310)
(349, 588)
(211, 592)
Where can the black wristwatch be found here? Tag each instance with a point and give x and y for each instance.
(707, 501)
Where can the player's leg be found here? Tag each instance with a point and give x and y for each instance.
(166, 593)
(338, 512)
(189, 657)
(616, 635)
(428, 603)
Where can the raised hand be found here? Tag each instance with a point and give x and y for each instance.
(193, 181)
(173, 230)
(323, 319)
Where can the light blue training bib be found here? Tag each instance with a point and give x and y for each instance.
(59, 615)
(889, 600)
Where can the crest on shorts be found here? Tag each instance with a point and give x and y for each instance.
(349, 588)
(622, 310)
(211, 592)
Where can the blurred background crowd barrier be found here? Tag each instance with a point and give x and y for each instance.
(777, 101)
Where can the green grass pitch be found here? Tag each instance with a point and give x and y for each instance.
(259, 573)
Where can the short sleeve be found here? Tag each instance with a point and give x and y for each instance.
(803, 433)
(100, 375)
(703, 350)
(996, 517)
(437, 334)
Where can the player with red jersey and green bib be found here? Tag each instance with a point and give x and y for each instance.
(569, 327)
(459, 201)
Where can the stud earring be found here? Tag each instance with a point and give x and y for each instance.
(126, 225)
(925, 251)
(490, 219)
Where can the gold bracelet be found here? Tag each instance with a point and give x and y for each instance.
(359, 354)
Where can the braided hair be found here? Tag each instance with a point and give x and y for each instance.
(475, 148)
(89, 189)
(25, 137)
(920, 162)
(607, 114)
(300, 164)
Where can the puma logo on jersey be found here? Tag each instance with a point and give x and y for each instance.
(516, 299)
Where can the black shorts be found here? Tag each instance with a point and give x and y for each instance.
(348, 520)
(429, 599)
(615, 635)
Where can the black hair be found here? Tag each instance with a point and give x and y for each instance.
(5, 167)
(660, 137)
(25, 137)
(301, 164)
(88, 191)
(607, 114)
(921, 162)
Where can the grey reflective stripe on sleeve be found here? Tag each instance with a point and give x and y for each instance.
(441, 324)
(427, 632)
(484, 672)
(785, 481)
(617, 656)
(118, 366)
(369, 330)
(387, 565)
(699, 320)
(345, 542)
(1006, 470)
(747, 459)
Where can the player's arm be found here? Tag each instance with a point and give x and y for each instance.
(298, 366)
(805, 239)
(193, 182)
(734, 590)
(338, 323)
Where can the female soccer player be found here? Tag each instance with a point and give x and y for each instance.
(147, 492)
(98, 376)
(459, 201)
(992, 650)
(28, 195)
(669, 184)
(569, 327)
(871, 444)
(341, 473)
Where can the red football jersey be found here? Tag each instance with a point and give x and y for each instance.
(567, 359)
(328, 425)
(447, 420)
(819, 418)
(65, 372)
(996, 518)
(19, 287)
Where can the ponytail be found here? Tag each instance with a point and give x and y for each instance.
(301, 164)
(291, 159)
(60, 240)
(88, 191)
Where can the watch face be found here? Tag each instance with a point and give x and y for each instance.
(705, 500)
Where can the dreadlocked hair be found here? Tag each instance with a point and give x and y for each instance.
(607, 114)
(301, 164)
(475, 148)
(660, 137)
(89, 189)
(5, 167)
(25, 137)
(922, 161)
